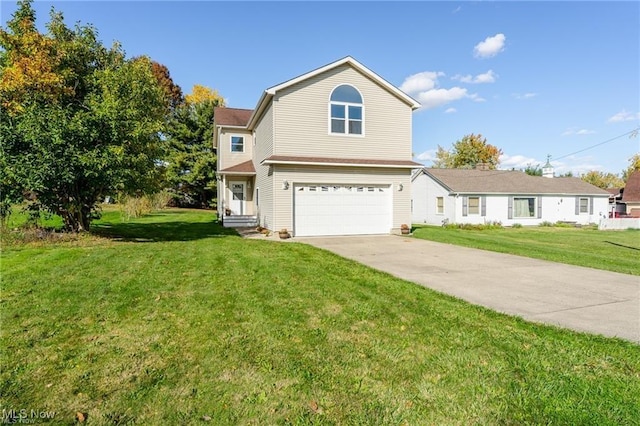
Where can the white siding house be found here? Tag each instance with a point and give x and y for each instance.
(330, 154)
(509, 197)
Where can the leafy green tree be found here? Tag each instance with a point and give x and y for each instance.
(191, 163)
(634, 164)
(533, 170)
(79, 121)
(468, 152)
(602, 180)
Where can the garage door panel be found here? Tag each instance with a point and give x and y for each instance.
(321, 209)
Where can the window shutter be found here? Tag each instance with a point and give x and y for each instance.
(465, 205)
(577, 206)
(590, 205)
(510, 209)
(539, 207)
(483, 205)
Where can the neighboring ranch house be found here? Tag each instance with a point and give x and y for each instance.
(325, 153)
(509, 197)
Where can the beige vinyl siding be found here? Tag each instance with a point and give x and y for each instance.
(302, 124)
(340, 175)
(264, 181)
(226, 158)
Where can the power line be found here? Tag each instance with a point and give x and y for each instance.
(633, 132)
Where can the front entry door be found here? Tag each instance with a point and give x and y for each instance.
(236, 204)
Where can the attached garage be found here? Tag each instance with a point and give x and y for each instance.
(342, 209)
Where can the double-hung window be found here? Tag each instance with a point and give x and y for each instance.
(440, 205)
(346, 111)
(237, 144)
(474, 205)
(584, 205)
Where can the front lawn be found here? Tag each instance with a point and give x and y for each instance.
(170, 319)
(617, 251)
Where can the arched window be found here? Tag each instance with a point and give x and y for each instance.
(346, 111)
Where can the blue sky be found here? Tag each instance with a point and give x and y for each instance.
(534, 78)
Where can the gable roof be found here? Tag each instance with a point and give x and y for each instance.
(632, 188)
(467, 181)
(245, 168)
(268, 94)
(237, 117)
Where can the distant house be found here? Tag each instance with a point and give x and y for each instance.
(509, 197)
(631, 195)
(616, 206)
(325, 153)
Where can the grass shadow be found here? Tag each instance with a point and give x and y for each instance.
(161, 231)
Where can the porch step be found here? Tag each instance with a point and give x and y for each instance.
(240, 221)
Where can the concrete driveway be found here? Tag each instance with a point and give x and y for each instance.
(574, 297)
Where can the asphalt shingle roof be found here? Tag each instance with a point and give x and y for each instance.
(509, 182)
(231, 116)
(246, 167)
(632, 188)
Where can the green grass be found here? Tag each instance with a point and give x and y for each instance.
(171, 319)
(617, 251)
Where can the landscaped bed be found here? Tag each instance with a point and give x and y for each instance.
(171, 319)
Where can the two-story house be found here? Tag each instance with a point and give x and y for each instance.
(325, 153)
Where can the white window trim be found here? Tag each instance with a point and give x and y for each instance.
(244, 142)
(479, 212)
(346, 119)
(437, 207)
(580, 205)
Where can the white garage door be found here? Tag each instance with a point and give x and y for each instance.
(339, 209)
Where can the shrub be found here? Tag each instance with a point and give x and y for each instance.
(133, 207)
(516, 225)
(161, 200)
(546, 223)
(474, 227)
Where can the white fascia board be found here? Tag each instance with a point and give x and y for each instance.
(312, 163)
(357, 65)
(259, 109)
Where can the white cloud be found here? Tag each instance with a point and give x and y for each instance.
(573, 164)
(476, 98)
(575, 131)
(525, 95)
(517, 162)
(488, 77)
(457, 9)
(491, 46)
(450, 110)
(429, 155)
(425, 89)
(624, 116)
(421, 82)
(436, 97)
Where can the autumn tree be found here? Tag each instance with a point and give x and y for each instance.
(602, 180)
(172, 91)
(191, 163)
(78, 120)
(634, 164)
(468, 152)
